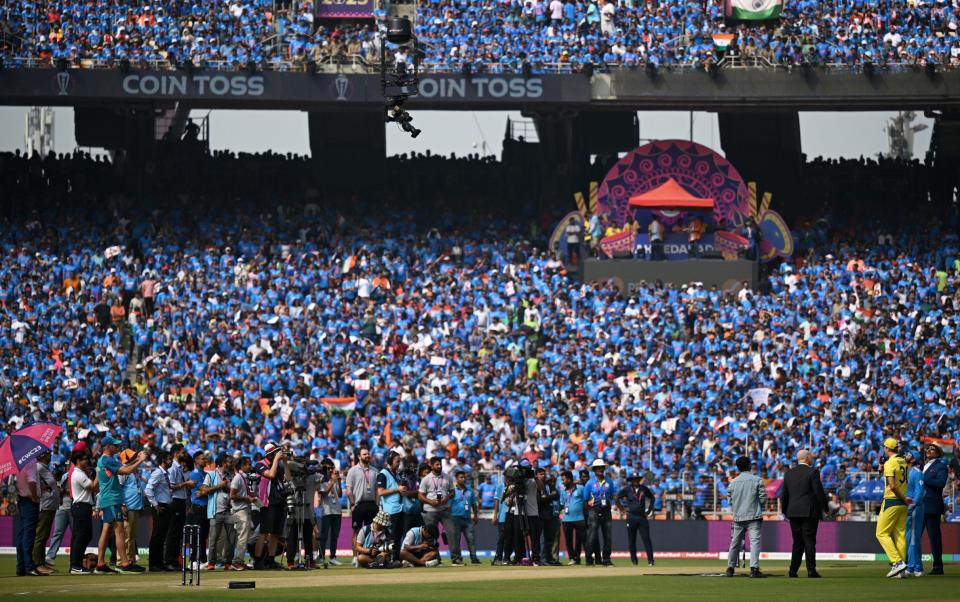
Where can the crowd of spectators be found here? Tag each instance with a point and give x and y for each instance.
(225, 322)
(501, 36)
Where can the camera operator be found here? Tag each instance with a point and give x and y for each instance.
(547, 499)
(274, 514)
(599, 496)
(329, 493)
(390, 494)
(362, 491)
(520, 496)
(420, 547)
(436, 491)
(301, 475)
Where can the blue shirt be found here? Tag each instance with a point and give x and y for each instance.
(915, 486)
(601, 494)
(158, 487)
(463, 502)
(175, 477)
(133, 491)
(197, 476)
(572, 503)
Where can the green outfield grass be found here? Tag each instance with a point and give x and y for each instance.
(669, 580)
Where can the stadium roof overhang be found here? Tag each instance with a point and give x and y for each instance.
(748, 89)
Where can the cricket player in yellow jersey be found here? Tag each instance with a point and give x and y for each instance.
(892, 524)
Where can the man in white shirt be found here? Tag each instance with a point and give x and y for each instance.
(608, 17)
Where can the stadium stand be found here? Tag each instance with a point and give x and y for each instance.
(502, 36)
(213, 308)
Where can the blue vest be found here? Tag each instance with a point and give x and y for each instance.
(392, 503)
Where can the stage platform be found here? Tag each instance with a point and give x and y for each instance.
(628, 273)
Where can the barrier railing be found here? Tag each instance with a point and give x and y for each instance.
(356, 63)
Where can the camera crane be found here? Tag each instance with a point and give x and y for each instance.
(400, 81)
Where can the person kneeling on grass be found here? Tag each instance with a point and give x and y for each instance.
(420, 547)
(372, 544)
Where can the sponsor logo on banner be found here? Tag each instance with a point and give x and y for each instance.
(63, 83)
(342, 88)
(229, 85)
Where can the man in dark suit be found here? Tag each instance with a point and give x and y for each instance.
(934, 480)
(804, 504)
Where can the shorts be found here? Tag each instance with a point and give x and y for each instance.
(112, 514)
(363, 514)
(272, 519)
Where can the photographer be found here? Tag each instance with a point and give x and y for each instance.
(371, 545)
(420, 547)
(436, 491)
(523, 520)
(361, 491)
(301, 478)
(329, 493)
(390, 494)
(273, 515)
(223, 534)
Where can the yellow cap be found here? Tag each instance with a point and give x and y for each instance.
(891, 444)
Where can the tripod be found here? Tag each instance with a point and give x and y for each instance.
(295, 520)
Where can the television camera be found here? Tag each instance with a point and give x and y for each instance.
(399, 81)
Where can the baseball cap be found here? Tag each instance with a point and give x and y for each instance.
(891, 444)
(109, 440)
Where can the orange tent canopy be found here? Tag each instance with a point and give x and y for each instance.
(669, 195)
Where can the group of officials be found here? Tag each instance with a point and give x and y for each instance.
(243, 505)
(912, 502)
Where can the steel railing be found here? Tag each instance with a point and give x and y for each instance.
(325, 63)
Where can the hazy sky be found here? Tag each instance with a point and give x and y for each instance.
(823, 134)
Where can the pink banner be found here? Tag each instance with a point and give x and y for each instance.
(344, 9)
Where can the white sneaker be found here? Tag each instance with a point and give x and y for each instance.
(897, 568)
(335, 562)
(432, 563)
(355, 562)
(572, 563)
(406, 564)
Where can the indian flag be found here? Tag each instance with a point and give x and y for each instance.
(754, 10)
(722, 40)
(344, 405)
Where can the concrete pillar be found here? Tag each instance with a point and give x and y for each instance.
(765, 148)
(347, 143)
(945, 153)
